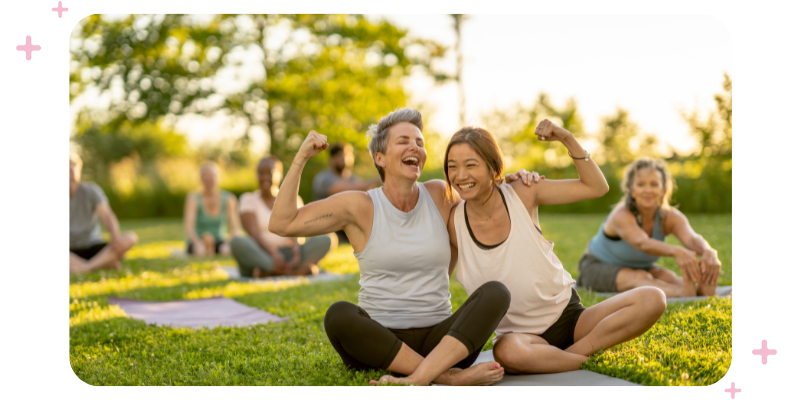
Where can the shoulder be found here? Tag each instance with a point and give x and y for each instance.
(437, 189)
(672, 219)
(527, 194)
(621, 215)
(92, 187)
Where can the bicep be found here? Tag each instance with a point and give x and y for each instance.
(562, 191)
(624, 224)
(323, 216)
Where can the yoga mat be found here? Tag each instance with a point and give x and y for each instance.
(722, 291)
(233, 273)
(211, 312)
(572, 378)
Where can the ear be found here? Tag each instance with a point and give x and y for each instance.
(379, 159)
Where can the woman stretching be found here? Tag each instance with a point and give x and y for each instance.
(403, 321)
(630, 240)
(497, 235)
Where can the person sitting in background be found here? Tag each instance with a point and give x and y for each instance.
(339, 178)
(204, 213)
(88, 206)
(264, 253)
(630, 240)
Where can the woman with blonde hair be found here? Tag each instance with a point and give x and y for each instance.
(205, 212)
(622, 255)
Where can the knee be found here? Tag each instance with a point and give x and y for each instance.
(507, 357)
(652, 300)
(496, 293)
(338, 318)
(237, 243)
(131, 238)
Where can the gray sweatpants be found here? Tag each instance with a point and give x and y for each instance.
(249, 254)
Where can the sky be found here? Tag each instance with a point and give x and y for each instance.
(654, 66)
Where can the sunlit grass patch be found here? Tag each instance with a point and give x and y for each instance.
(95, 313)
(340, 261)
(192, 273)
(154, 250)
(233, 289)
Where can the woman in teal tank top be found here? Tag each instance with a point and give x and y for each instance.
(205, 213)
(622, 255)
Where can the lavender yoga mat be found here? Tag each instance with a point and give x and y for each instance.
(211, 312)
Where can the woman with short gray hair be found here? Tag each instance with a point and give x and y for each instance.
(403, 322)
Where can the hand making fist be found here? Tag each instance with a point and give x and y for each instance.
(313, 145)
(548, 131)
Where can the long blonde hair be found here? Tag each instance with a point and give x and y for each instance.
(630, 176)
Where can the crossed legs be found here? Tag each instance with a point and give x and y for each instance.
(614, 321)
(108, 257)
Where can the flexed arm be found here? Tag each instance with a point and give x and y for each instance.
(317, 218)
(591, 184)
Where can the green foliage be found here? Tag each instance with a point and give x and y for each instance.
(333, 73)
(689, 345)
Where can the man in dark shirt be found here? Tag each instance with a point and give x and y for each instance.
(339, 178)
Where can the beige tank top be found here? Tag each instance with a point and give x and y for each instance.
(540, 287)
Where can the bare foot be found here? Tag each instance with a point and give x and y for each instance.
(707, 290)
(483, 374)
(392, 379)
(689, 288)
(116, 266)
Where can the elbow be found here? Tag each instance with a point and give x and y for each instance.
(275, 227)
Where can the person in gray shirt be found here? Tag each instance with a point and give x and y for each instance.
(339, 178)
(88, 207)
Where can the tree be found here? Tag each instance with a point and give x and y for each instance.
(335, 73)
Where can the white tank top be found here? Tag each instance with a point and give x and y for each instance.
(540, 287)
(404, 282)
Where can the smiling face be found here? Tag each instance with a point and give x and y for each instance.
(648, 188)
(269, 175)
(468, 172)
(405, 152)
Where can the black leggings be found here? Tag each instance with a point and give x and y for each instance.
(364, 343)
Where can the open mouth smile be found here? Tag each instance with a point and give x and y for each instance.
(411, 161)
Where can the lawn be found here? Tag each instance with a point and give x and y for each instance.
(690, 344)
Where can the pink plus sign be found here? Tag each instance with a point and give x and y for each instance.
(764, 352)
(60, 9)
(28, 48)
(733, 390)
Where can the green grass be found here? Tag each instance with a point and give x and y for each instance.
(690, 345)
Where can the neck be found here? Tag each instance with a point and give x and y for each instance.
(73, 187)
(483, 203)
(344, 174)
(402, 193)
(647, 214)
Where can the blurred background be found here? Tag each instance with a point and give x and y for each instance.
(154, 96)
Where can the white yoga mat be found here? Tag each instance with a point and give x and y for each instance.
(211, 312)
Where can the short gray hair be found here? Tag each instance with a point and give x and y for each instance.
(379, 134)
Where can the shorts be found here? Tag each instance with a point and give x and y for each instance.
(599, 276)
(562, 333)
(87, 253)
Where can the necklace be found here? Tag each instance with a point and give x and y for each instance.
(490, 214)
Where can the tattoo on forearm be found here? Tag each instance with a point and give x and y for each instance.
(318, 218)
